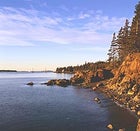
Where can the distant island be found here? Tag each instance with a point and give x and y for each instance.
(25, 71)
(8, 71)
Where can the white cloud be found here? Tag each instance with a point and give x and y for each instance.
(24, 27)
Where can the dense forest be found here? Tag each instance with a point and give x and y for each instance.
(126, 41)
(85, 67)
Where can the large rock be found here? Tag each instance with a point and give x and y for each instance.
(51, 82)
(30, 83)
(59, 82)
(62, 82)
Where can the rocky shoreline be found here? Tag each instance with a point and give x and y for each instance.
(121, 85)
(124, 92)
(102, 83)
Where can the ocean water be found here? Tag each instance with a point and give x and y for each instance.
(53, 108)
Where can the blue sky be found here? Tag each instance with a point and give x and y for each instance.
(45, 34)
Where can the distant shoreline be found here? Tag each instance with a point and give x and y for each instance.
(25, 71)
(8, 71)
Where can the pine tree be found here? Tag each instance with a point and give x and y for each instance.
(113, 53)
(120, 45)
(135, 30)
(137, 17)
(127, 40)
(123, 41)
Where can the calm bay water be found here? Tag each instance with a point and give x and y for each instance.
(46, 108)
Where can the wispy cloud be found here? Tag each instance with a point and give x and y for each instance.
(95, 49)
(22, 27)
(84, 15)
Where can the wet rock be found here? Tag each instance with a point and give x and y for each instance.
(110, 126)
(97, 100)
(45, 83)
(59, 82)
(94, 88)
(50, 82)
(30, 83)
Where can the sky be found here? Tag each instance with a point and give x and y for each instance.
(46, 34)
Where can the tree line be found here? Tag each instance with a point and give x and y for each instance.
(127, 40)
(90, 66)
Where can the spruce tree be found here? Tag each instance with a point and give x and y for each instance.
(127, 40)
(113, 53)
(135, 30)
(123, 41)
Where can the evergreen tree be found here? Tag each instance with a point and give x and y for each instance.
(113, 51)
(135, 30)
(137, 18)
(123, 41)
(120, 45)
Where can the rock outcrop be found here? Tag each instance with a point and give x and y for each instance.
(59, 82)
(87, 77)
(84, 79)
(125, 86)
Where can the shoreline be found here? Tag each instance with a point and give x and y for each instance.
(117, 102)
(100, 86)
(107, 93)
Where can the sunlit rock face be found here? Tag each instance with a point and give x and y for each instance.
(126, 82)
(129, 71)
(87, 77)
